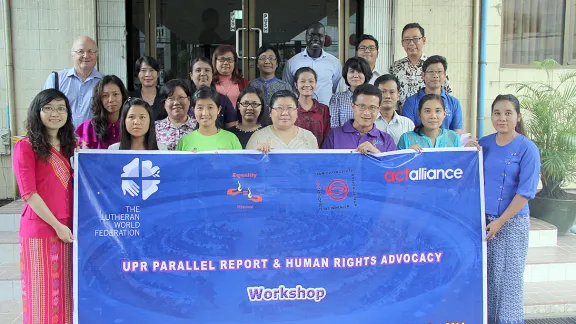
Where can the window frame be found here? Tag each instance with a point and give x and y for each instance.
(568, 53)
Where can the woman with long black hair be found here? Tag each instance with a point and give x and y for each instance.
(104, 127)
(41, 162)
(137, 131)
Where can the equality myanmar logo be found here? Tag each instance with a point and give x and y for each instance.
(140, 177)
(244, 190)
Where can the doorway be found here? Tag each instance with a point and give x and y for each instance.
(176, 31)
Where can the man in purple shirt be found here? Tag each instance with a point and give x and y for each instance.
(360, 133)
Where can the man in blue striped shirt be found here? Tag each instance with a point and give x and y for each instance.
(78, 82)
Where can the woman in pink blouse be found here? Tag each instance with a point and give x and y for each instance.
(227, 78)
(41, 164)
(103, 129)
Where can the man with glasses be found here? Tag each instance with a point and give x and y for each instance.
(409, 69)
(361, 133)
(434, 76)
(326, 65)
(78, 82)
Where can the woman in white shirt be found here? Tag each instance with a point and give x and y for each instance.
(282, 134)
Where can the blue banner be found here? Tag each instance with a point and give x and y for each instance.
(299, 238)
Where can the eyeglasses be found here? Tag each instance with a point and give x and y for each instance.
(49, 110)
(363, 108)
(267, 58)
(438, 73)
(282, 110)
(406, 41)
(225, 59)
(82, 52)
(179, 99)
(252, 104)
(370, 48)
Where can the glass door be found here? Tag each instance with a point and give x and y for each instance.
(176, 31)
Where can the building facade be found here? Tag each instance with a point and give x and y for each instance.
(39, 36)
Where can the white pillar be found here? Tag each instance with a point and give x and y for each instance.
(379, 22)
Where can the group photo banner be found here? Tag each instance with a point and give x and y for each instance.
(294, 237)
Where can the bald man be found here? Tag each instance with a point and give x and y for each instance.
(78, 82)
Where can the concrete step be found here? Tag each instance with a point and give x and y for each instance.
(548, 264)
(9, 222)
(542, 234)
(10, 286)
(548, 299)
(9, 247)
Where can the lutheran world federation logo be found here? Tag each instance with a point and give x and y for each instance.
(140, 177)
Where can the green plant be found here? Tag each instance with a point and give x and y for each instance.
(549, 114)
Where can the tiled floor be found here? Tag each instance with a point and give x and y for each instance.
(565, 252)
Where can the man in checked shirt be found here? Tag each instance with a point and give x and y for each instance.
(409, 69)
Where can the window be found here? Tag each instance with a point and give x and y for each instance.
(534, 30)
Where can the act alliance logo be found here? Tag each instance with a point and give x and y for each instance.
(140, 177)
(422, 174)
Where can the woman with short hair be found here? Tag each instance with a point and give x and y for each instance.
(175, 96)
(283, 133)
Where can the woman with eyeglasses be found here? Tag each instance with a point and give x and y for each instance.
(104, 127)
(312, 115)
(137, 127)
(355, 72)
(201, 72)
(268, 83)
(41, 162)
(250, 113)
(209, 135)
(227, 78)
(176, 98)
(283, 133)
(147, 70)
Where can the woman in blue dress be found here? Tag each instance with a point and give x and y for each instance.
(511, 173)
(430, 133)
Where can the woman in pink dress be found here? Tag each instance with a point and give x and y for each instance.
(41, 164)
(103, 129)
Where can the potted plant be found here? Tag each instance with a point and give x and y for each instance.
(549, 114)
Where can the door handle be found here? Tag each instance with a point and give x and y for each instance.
(238, 43)
(259, 31)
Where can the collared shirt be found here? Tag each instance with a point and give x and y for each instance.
(316, 120)
(169, 135)
(327, 67)
(347, 137)
(447, 138)
(341, 108)
(453, 118)
(509, 170)
(396, 127)
(342, 86)
(79, 93)
(269, 87)
(410, 77)
(87, 135)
